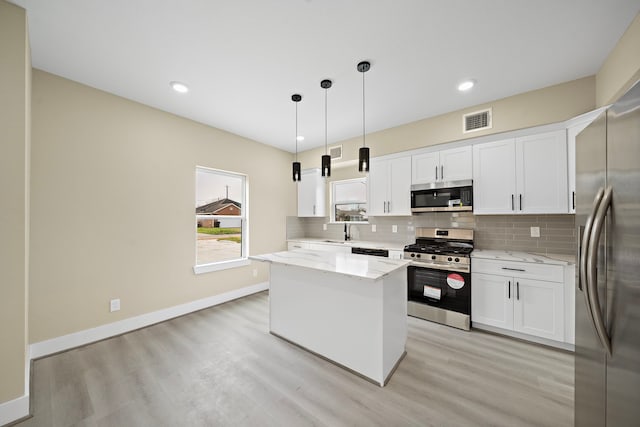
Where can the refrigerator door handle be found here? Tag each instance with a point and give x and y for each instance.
(592, 262)
(582, 271)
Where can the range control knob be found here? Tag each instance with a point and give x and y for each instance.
(457, 260)
(449, 259)
(418, 256)
(433, 257)
(413, 255)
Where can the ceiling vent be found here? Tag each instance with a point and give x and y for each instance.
(478, 120)
(335, 152)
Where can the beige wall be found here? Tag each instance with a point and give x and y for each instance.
(15, 82)
(549, 105)
(621, 68)
(113, 202)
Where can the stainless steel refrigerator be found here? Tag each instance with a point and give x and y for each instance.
(607, 348)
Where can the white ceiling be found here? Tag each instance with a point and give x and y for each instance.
(244, 59)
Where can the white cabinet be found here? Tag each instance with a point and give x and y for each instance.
(494, 172)
(390, 187)
(453, 164)
(328, 247)
(525, 175)
(311, 194)
(522, 297)
(396, 254)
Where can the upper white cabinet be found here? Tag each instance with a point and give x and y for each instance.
(439, 166)
(311, 193)
(390, 187)
(525, 175)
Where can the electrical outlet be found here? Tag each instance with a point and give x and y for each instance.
(255, 272)
(535, 231)
(394, 228)
(114, 305)
(324, 227)
(373, 228)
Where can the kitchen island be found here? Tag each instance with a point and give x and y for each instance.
(349, 309)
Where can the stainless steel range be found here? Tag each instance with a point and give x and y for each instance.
(439, 277)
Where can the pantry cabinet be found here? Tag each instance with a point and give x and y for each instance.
(454, 164)
(524, 175)
(390, 187)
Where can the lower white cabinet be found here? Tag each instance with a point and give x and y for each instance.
(292, 246)
(508, 295)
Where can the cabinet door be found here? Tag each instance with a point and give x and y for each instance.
(494, 173)
(541, 165)
(399, 198)
(492, 300)
(425, 168)
(539, 308)
(378, 187)
(311, 194)
(456, 164)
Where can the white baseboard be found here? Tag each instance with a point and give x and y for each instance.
(14, 410)
(524, 337)
(76, 339)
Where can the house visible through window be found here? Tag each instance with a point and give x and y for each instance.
(221, 219)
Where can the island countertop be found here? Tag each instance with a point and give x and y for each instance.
(360, 266)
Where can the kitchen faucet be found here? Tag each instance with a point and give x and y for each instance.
(347, 232)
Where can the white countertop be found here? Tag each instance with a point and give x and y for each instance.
(555, 259)
(392, 246)
(361, 266)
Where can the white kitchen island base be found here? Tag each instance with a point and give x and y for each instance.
(359, 323)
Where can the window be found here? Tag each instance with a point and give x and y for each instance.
(221, 220)
(349, 200)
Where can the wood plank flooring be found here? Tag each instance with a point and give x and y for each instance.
(221, 367)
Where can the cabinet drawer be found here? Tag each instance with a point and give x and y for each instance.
(526, 270)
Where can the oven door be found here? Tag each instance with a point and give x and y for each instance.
(443, 289)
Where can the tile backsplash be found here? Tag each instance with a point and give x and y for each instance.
(503, 232)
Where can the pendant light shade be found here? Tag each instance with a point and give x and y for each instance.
(296, 172)
(326, 159)
(363, 153)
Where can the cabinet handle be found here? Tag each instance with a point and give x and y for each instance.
(442, 173)
(517, 290)
(389, 207)
(512, 206)
(509, 289)
(520, 195)
(513, 269)
(436, 173)
(314, 209)
(573, 195)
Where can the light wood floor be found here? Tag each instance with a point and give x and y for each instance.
(220, 366)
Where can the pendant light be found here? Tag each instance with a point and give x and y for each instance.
(297, 175)
(363, 153)
(326, 159)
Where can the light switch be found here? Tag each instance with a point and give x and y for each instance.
(373, 228)
(394, 228)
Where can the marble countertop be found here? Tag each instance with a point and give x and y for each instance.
(555, 259)
(360, 266)
(392, 246)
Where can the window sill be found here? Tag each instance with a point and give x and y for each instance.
(217, 266)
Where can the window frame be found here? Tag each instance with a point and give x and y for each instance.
(332, 202)
(244, 221)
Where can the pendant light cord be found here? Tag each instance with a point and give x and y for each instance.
(363, 129)
(296, 131)
(325, 121)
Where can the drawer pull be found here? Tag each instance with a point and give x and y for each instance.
(514, 269)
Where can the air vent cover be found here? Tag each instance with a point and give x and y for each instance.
(477, 120)
(335, 152)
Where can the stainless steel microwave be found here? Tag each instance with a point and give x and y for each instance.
(442, 197)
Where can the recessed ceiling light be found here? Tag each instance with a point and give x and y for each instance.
(466, 85)
(179, 87)
(300, 138)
